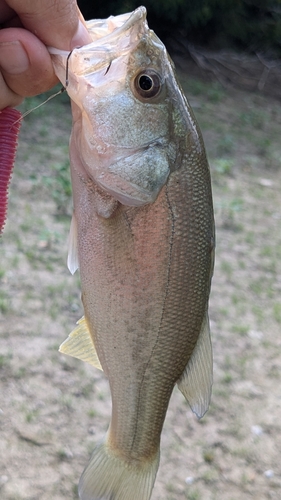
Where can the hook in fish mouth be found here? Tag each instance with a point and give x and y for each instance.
(67, 69)
(108, 43)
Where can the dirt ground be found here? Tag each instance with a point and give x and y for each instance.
(53, 409)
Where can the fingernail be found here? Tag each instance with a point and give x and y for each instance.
(13, 57)
(81, 37)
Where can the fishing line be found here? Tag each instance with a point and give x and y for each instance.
(42, 103)
(63, 89)
(108, 68)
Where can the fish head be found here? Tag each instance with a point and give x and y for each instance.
(126, 129)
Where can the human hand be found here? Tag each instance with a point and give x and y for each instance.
(26, 28)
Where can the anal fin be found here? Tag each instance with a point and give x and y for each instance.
(197, 378)
(79, 345)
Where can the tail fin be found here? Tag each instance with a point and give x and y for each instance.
(108, 477)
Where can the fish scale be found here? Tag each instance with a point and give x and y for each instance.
(142, 235)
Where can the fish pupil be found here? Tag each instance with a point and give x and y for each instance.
(145, 82)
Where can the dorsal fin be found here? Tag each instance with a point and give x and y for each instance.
(79, 344)
(197, 378)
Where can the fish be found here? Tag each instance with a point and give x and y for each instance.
(142, 235)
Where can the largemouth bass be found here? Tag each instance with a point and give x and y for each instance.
(142, 235)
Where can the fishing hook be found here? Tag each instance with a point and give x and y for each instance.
(108, 68)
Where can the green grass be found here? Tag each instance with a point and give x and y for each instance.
(59, 186)
(277, 312)
(193, 494)
(5, 360)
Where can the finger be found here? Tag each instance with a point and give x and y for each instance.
(25, 65)
(7, 96)
(55, 22)
(6, 13)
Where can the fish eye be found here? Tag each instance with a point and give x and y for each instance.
(147, 83)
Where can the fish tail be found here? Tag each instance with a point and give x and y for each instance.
(108, 477)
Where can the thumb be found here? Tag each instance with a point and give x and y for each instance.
(58, 23)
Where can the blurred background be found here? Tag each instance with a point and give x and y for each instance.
(53, 408)
(251, 25)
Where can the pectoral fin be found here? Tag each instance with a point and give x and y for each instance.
(79, 344)
(138, 179)
(197, 378)
(72, 258)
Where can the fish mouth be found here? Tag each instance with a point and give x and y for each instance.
(112, 38)
(113, 27)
